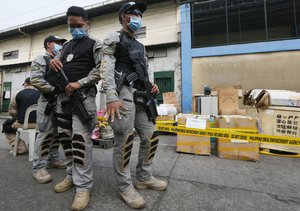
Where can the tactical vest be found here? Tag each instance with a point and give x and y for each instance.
(24, 99)
(124, 62)
(50, 75)
(83, 58)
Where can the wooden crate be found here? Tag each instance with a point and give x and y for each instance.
(279, 153)
(195, 103)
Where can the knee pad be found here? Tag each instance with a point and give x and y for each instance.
(55, 143)
(126, 151)
(66, 143)
(152, 146)
(79, 153)
(45, 145)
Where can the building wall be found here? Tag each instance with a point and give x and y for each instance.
(38, 39)
(169, 63)
(157, 32)
(279, 70)
(21, 43)
(17, 76)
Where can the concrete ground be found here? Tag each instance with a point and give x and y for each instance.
(195, 183)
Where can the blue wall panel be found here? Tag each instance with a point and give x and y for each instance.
(261, 47)
(186, 58)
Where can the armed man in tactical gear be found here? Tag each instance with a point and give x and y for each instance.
(130, 105)
(46, 144)
(78, 66)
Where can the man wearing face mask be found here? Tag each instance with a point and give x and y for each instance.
(130, 105)
(80, 60)
(46, 145)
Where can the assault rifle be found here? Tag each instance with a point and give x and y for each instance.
(149, 104)
(51, 102)
(77, 98)
(146, 95)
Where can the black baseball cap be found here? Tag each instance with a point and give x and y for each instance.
(27, 81)
(53, 38)
(131, 6)
(77, 11)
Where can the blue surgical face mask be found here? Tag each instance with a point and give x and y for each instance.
(78, 33)
(135, 23)
(56, 49)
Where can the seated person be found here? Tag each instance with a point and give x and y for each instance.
(25, 98)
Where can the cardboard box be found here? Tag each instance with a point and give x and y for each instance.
(252, 112)
(195, 103)
(233, 112)
(228, 100)
(166, 110)
(170, 98)
(237, 149)
(229, 149)
(181, 118)
(282, 121)
(193, 144)
(165, 118)
(236, 121)
(198, 145)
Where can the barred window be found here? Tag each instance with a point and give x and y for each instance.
(222, 22)
(10, 55)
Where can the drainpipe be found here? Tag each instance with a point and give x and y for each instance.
(31, 42)
(2, 87)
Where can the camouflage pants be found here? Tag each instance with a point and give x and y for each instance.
(75, 138)
(134, 117)
(46, 144)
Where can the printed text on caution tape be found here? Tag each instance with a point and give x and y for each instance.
(261, 138)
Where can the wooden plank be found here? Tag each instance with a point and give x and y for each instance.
(293, 149)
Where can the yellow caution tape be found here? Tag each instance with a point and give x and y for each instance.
(167, 122)
(212, 129)
(227, 129)
(229, 134)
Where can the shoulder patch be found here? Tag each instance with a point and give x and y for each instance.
(109, 49)
(112, 38)
(40, 60)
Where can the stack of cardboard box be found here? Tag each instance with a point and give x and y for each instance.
(168, 110)
(278, 113)
(230, 100)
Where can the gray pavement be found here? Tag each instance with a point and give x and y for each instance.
(195, 183)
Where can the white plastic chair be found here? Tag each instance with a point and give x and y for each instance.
(30, 130)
